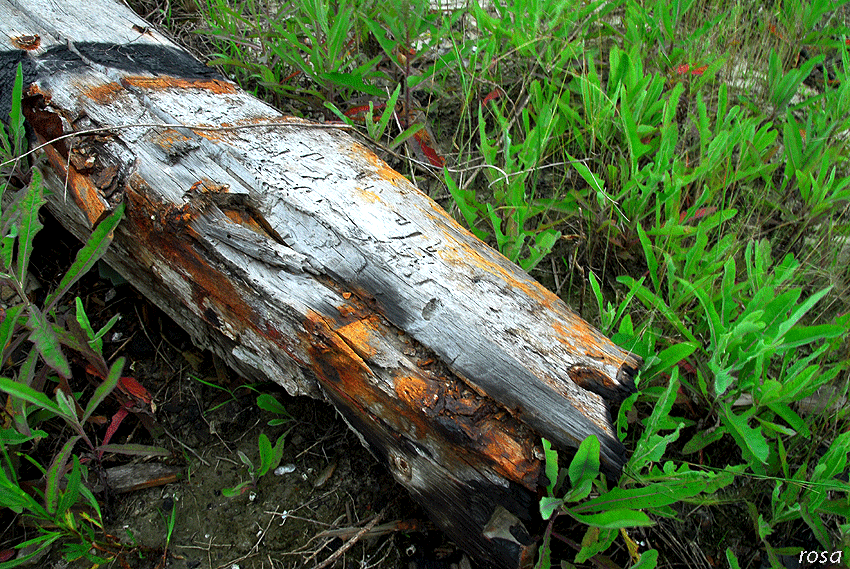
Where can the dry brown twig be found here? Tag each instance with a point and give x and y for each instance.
(354, 539)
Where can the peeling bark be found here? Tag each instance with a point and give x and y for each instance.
(299, 256)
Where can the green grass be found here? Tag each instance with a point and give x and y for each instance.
(687, 160)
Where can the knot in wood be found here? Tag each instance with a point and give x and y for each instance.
(400, 466)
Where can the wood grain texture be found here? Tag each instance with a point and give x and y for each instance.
(299, 256)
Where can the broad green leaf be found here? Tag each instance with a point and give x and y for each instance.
(104, 388)
(93, 250)
(548, 505)
(46, 341)
(270, 403)
(278, 450)
(404, 136)
(14, 437)
(42, 542)
(614, 519)
(674, 354)
(702, 439)
(352, 81)
(16, 117)
(801, 311)
(235, 491)
(647, 447)
(55, 474)
(595, 540)
(654, 495)
(648, 560)
(7, 325)
(751, 441)
(731, 559)
(68, 406)
(72, 489)
(551, 457)
(83, 321)
(585, 464)
(7, 247)
(27, 393)
(544, 559)
(802, 335)
(29, 224)
(266, 454)
(388, 111)
(792, 418)
(93, 504)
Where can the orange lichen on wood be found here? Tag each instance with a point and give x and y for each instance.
(26, 42)
(105, 93)
(417, 392)
(380, 167)
(85, 194)
(465, 255)
(167, 82)
(359, 335)
(168, 137)
(580, 337)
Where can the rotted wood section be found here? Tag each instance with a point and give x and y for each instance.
(297, 255)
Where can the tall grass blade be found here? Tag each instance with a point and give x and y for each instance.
(104, 388)
(93, 250)
(29, 224)
(55, 474)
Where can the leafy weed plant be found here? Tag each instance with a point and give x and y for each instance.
(36, 337)
(270, 456)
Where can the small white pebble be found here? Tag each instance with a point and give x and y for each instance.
(285, 469)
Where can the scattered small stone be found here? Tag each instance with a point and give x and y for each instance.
(284, 469)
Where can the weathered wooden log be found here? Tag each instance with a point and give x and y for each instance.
(297, 255)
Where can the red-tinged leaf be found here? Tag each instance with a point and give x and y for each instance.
(105, 388)
(687, 368)
(358, 113)
(698, 214)
(426, 145)
(6, 554)
(117, 418)
(134, 389)
(91, 370)
(291, 76)
(686, 68)
(494, 94)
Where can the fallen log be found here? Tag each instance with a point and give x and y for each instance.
(298, 256)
